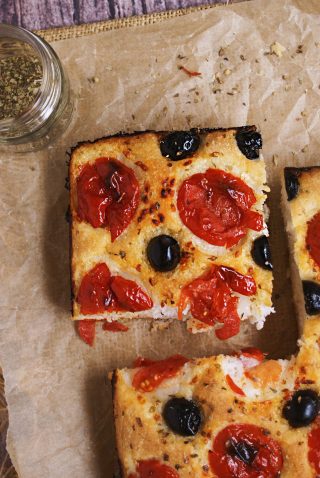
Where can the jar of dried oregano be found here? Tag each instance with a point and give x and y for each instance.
(35, 99)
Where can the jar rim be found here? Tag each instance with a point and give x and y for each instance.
(48, 97)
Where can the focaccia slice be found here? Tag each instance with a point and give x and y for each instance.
(224, 416)
(168, 225)
(301, 201)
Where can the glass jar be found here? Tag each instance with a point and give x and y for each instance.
(49, 114)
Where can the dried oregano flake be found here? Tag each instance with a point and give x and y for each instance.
(20, 80)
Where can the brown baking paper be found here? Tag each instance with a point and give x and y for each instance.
(57, 390)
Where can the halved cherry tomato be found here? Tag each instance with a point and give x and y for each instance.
(87, 330)
(314, 448)
(252, 352)
(100, 292)
(149, 377)
(244, 285)
(143, 362)
(265, 373)
(313, 238)
(215, 206)
(234, 387)
(245, 451)
(211, 300)
(129, 295)
(154, 469)
(108, 195)
(95, 295)
(114, 326)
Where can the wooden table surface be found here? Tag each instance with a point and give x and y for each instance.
(41, 14)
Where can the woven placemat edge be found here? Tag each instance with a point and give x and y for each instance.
(75, 31)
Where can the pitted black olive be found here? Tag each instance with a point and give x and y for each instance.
(302, 409)
(179, 145)
(182, 416)
(291, 179)
(163, 253)
(249, 142)
(261, 253)
(311, 291)
(244, 451)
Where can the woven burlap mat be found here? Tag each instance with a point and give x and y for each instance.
(136, 21)
(54, 34)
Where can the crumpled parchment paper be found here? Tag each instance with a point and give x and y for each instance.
(259, 64)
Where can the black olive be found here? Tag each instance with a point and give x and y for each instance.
(302, 409)
(311, 291)
(261, 253)
(244, 451)
(182, 416)
(179, 145)
(291, 179)
(163, 253)
(249, 142)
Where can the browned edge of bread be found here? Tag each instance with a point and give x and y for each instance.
(296, 281)
(114, 401)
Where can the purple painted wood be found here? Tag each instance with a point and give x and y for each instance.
(41, 14)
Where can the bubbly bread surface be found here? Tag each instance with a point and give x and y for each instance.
(228, 391)
(159, 180)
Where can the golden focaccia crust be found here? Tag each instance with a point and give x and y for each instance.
(159, 180)
(301, 186)
(142, 433)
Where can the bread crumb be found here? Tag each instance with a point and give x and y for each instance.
(277, 49)
(227, 72)
(93, 79)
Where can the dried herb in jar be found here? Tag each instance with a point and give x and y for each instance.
(20, 80)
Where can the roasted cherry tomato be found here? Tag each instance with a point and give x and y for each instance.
(100, 292)
(149, 377)
(142, 362)
(94, 294)
(215, 206)
(153, 469)
(108, 195)
(210, 298)
(234, 387)
(265, 373)
(129, 295)
(114, 326)
(314, 448)
(245, 451)
(87, 330)
(252, 352)
(313, 238)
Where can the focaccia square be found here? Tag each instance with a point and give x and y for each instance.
(171, 225)
(221, 417)
(301, 201)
